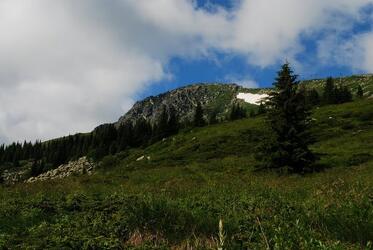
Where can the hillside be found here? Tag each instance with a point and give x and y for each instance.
(219, 98)
(215, 98)
(365, 81)
(171, 194)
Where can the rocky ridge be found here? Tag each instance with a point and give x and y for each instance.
(216, 98)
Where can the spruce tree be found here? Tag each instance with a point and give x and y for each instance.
(237, 112)
(360, 92)
(199, 121)
(346, 95)
(162, 125)
(213, 116)
(261, 109)
(173, 122)
(286, 147)
(329, 96)
(313, 97)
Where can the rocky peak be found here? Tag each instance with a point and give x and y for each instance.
(213, 97)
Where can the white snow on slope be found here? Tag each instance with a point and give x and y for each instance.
(252, 98)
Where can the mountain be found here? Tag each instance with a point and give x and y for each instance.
(217, 98)
(352, 82)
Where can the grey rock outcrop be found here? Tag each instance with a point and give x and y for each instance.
(11, 177)
(213, 98)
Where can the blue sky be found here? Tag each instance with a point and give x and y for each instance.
(67, 66)
(226, 67)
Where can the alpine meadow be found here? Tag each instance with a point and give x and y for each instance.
(105, 145)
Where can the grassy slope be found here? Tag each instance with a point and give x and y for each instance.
(191, 180)
(352, 82)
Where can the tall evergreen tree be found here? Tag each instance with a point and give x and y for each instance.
(286, 149)
(160, 131)
(198, 120)
(329, 95)
(360, 92)
(344, 94)
(313, 97)
(213, 117)
(173, 122)
(261, 109)
(237, 112)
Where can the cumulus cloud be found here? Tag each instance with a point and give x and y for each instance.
(245, 81)
(67, 66)
(366, 43)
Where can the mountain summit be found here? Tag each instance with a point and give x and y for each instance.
(214, 98)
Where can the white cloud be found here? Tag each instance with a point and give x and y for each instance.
(355, 52)
(363, 58)
(67, 66)
(244, 81)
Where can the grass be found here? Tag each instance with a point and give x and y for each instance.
(192, 180)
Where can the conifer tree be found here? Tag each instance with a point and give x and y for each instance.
(360, 92)
(198, 120)
(346, 95)
(313, 97)
(125, 135)
(162, 125)
(173, 122)
(237, 112)
(213, 117)
(286, 147)
(329, 95)
(261, 109)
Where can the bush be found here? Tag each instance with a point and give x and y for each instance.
(358, 159)
(108, 162)
(366, 116)
(348, 126)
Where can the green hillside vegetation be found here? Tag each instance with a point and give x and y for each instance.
(174, 197)
(352, 82)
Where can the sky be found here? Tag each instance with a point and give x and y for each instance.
(67, 66)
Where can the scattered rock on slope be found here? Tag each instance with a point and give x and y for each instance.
(81, 166)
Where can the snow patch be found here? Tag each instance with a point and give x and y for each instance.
(252, 98)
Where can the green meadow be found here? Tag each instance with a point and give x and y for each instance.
(174, 196)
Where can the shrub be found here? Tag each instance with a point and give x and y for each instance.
(109, 162)
(357, 159)
(366, 116)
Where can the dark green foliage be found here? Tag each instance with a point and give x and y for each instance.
(173, 122)
(329, 91)
(213, 117)
(359, 92)
(336, 94)
(357, 159)
(167, 125)
(102, 141)
(125, 136)
(312, 97)
(142, 132)
(37, 168)
(286, 147)
(261, 109)
(199, 120)
(237, 112)
(109, 162)
(343, 94)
